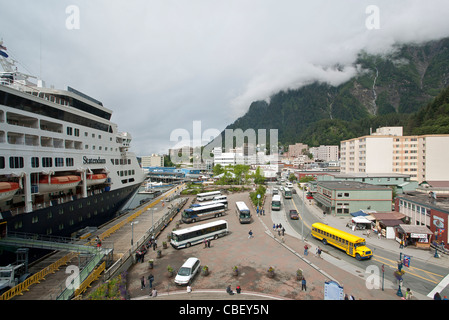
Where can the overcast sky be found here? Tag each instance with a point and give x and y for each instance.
(162, 64)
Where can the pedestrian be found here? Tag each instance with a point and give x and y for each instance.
(379, 235)
(274, 227)
(303, 284)
(250, 234)
(324, 214)
(142, 283)
(367, 233)
(401, 244)
(318, 252)
(205, 243)
(408, 294)
(238, 289)
(279, 232)
(306, 250)
(150, 280)
(154, 293)
(437, 296)
(229, 290)
(283, 231)
(189, 289)
(208, 243)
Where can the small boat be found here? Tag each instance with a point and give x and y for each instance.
(58, 183)
(93, 179)
(8, 190)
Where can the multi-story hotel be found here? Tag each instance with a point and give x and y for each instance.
(424, 157)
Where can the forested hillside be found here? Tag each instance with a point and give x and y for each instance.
(397, 89)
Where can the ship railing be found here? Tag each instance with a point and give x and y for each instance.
(34, 92)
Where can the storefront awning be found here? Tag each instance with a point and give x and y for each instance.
(360, 220)
(359, 213)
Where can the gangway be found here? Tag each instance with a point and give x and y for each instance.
(45, 242)
(96, 255)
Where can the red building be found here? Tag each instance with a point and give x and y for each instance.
(428, 210)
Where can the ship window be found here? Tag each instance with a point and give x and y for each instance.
(69, 162)
(15, 162)
(69, 131)
(59, 162)
(77, 132)
(2, 162)
(47, 162)
(34, 162)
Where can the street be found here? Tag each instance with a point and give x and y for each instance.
(423, 275)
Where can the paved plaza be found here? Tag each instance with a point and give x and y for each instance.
(253, 257)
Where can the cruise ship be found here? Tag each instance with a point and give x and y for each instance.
(63, 164)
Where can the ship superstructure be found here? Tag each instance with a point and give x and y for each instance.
(63, 164)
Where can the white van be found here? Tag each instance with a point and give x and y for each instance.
(187, 271)
(289, 185)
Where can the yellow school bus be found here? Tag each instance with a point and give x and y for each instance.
(351, 244)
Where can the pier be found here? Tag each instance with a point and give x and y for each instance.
(120, 238)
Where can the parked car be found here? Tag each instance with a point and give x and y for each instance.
(294, 214)
(188, 270)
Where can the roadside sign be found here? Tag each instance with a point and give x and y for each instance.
(406, 261)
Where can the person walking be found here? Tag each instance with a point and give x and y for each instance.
(142, 283)
(306, 250)
(250, 234)
(208, 243)
(303, 284)
(408, 294)
(150, 280)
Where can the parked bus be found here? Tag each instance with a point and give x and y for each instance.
(203, 212)
(276, 202)
(243, 212)
(287, 193)
(351, 244)
(196, 234)
(219, 199)
(207, 195)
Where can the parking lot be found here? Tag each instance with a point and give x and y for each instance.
(253, 257)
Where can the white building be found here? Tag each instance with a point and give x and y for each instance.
(423, 157)
(325, 153)
(153, 161)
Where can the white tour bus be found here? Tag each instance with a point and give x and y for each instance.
(243, 212)
(196, 234)
(276, 202)
(207, 195)
(219, 199)
(203, 212)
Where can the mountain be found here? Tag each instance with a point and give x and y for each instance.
(385, 92)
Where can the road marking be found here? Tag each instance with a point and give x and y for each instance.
(440, 287)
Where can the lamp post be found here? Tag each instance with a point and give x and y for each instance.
(132, 231)
(436, 255)
(399, 292)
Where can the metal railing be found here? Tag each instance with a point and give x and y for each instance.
(37, 277)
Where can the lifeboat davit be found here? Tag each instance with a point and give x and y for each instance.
(93, 179)
(58, 183)
(8, 190)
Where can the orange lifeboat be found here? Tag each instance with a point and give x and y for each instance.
(8, 190)
(93, 179)
(58, 183)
